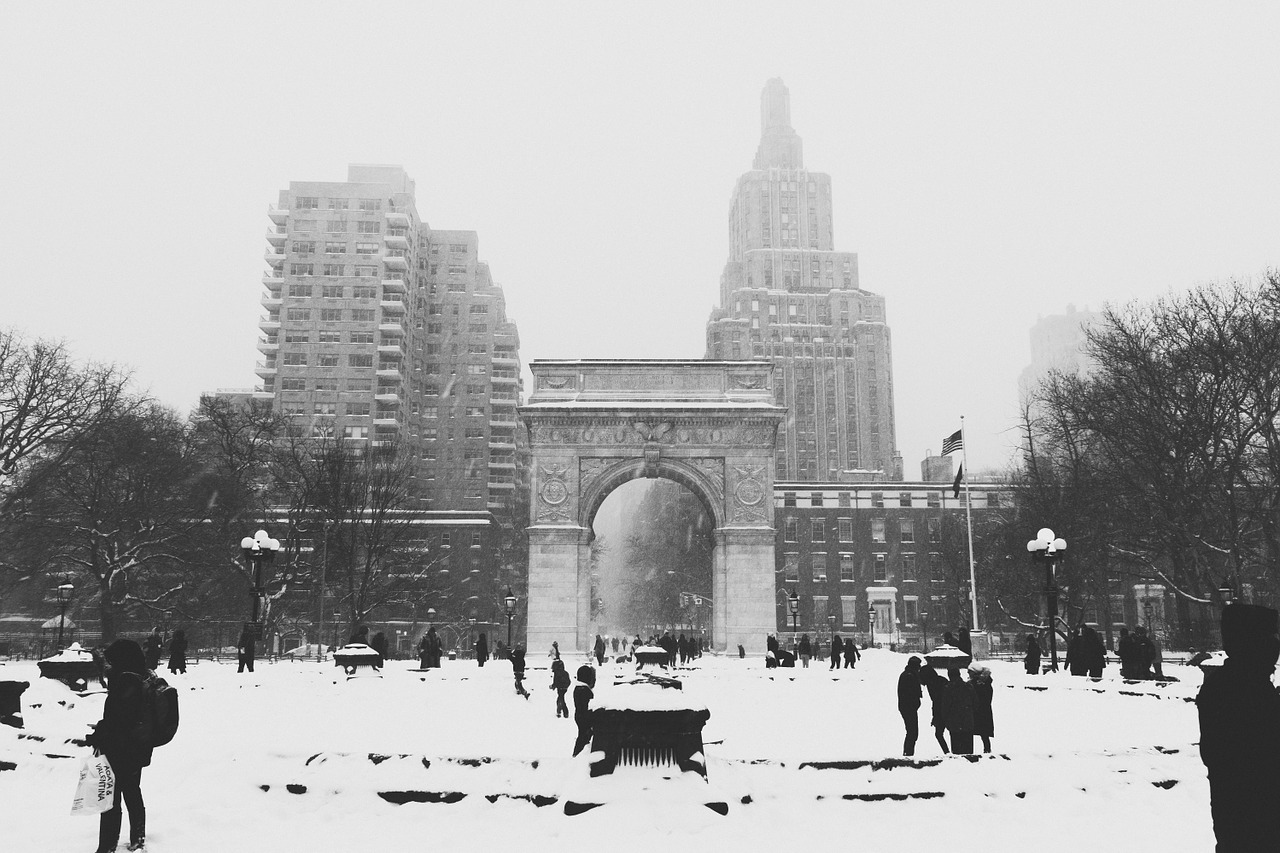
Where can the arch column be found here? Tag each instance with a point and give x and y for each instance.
(556, 596)
(744, 597)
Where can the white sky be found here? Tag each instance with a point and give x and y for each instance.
(991, 162)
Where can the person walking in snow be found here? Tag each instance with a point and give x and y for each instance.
(1239, 712)
(850, 653)
(805, 651)
(1127, 651)
(482, 650)
(152, 647)
(837, 651)
(1095, 653)
(114, 736)
(909, 703)
(599, 650)
(244, 651)
(983, 722)
(178, 653)
(959, 713)
(517, 669)
(937, 687)
(582, 696)
(1032, 658)
(1075, 661)
(379, 645)
(560, 684)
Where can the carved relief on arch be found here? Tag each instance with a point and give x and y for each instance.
(557, 499)
(750, 495)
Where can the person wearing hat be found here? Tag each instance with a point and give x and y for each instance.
(1239, 713)
(116, 737)
(582, 696)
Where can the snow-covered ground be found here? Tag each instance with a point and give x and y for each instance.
(294, 758)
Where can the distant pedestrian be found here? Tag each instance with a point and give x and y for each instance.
(1032, 658)
(1127, 651)
(1094, 651)
(983, 721)
(582, 696)
(1075, 661)
(960, 713)
(963, 642)
(837, 651)
(360, 636)
(517, 669)
(482, 650)
(937, 687)
(178, 653)
(114, 736)
(1240, 731)
(1148, 655)
(909, 703)
(555, 650)
(379, 645)
(613, 641)
(560, 684)
(599, 650)
(851, 655)
(434, 648)
(805, 651)
(244, 651)
(152, 647)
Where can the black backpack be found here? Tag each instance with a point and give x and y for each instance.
(160, 712)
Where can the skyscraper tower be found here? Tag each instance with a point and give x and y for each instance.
(787, 296)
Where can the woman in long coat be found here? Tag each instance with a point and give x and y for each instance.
(960, 713)
(178, 652)
(482, 650)
(937, 687)
(1032, 660)
(983, 722)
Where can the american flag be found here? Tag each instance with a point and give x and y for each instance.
(952, 443)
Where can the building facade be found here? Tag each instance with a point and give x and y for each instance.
(382, 331)
(787, 296)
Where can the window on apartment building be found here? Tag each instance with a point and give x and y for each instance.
(330, 315)
(298, 313)
(877, 499)
(336, 225)
(370, 204)
(844, 527)
(906, 531)
(935, 530)
(364, 292)
(306, 202)
(791, 568)
(324, 409)
(331, 291)
(360, 384)
(327, 360)
(330, 337)
(335, 248)
(475, 539)
(478, 349)
(369, 227)
(846, 567)
(300, 291)
(477, 328)
(363, 271)
(304, 247)
(334, 270)
(366, 249)
(910, 610)
(877, 530)
(326, 385)
(474, 432)
(475, 411)
(301, 269)
(881, 569)
(360, 337)
(908, 567)
(360, 360)
(815, 499)
(479, 309)
(362, 315)
(817, 530)
(935, 567)
(819, 571)
(293, 384)
(790, 530)
(788, 498)
(297, 337)
(904, 499)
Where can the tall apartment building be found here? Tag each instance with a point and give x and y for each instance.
(1057, 343)
(786, 295)
(380, 329)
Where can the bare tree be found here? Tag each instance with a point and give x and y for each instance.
(46, 404)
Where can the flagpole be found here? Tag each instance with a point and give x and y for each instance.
(968, 513)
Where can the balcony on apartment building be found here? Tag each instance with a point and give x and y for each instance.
(398, 218)
(266, 368)
(269, 344)
(274, 257)
(278, 215)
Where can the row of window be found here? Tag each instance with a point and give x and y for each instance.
(331, 337)
(311, 202)
(847, 564)
(844, 530)
(333, 315)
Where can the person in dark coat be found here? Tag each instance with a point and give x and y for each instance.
(360, 636)
(178, 652)
(805, 651)
(582, 696)
(244, 651)
(1094, 651)
(1075, 655)
(116, 736)
(424, 653)
(482, 650)
(613, 642)
(1127, 650)
(948, 638)
(1145, 654)
(517, 669)
(560, 684)
(909, 703)
(1032, 659)
(963, 642)
(959, 719)
(1239, 713)
(837, 651)
(599, 650)
(851, 655)
(152, 647)
(937, 687)
(433, 648)
(379, 645)
(984, 725)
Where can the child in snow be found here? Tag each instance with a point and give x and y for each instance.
(560, 683)
(517, 668)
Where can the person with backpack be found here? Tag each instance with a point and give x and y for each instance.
(178, 653)
(120, 736)
(560, 684)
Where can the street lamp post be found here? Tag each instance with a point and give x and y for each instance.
(509, 602)
(871, 625)
(65, 592)
(258, 548)
(924, 637)
(1048, 549)
(793, 603)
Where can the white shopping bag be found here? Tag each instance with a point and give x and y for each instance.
(97, 789)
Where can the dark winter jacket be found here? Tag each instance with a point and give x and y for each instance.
(118, 735)
(560, 679)
(851, 652)
(909, 691)
(582, 696)
(517, 662)
(937, 687)
(482, 649)
(983, 721)
(805, 649)
(178, 652)
(959, 707)
(1032, 658)
(837, 646)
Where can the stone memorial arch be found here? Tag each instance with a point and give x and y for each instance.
(708, 425)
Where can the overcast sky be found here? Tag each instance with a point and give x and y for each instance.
(991, 163)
